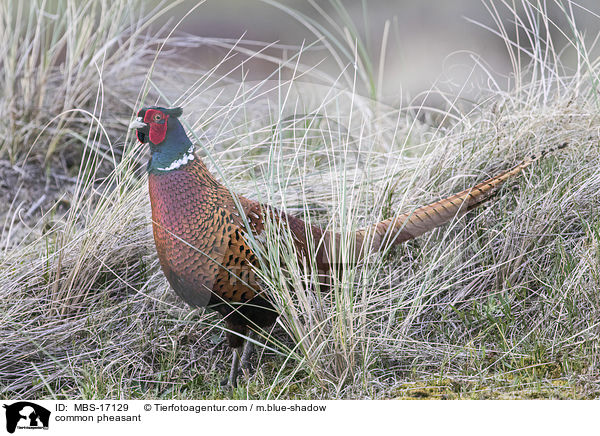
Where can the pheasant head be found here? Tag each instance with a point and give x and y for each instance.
(170, 146)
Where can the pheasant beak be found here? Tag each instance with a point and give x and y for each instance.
(138, 124)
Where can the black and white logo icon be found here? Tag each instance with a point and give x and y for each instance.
(26, 415)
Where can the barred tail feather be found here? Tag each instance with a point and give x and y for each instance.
(413, 224)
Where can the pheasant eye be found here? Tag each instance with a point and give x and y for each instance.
(157, 117)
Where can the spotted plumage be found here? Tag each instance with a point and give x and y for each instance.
(202, 250)
(200, 233)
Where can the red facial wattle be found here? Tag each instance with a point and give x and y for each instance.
(157, 121)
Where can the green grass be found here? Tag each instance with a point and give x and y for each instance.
(502, 303)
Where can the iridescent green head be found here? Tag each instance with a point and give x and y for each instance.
(170, 146)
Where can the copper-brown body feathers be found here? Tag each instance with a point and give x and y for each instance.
(201, 239)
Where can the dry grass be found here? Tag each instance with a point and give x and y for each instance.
(501, 303)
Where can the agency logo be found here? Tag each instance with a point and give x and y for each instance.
(26, 415)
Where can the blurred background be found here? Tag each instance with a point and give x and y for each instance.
(429, 43)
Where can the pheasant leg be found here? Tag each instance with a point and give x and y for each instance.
(246, 355)
(233, 373)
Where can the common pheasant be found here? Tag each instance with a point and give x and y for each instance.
(200, 232)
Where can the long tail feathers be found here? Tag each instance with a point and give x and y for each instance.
(413, 224)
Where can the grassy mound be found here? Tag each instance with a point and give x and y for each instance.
(502, 303)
